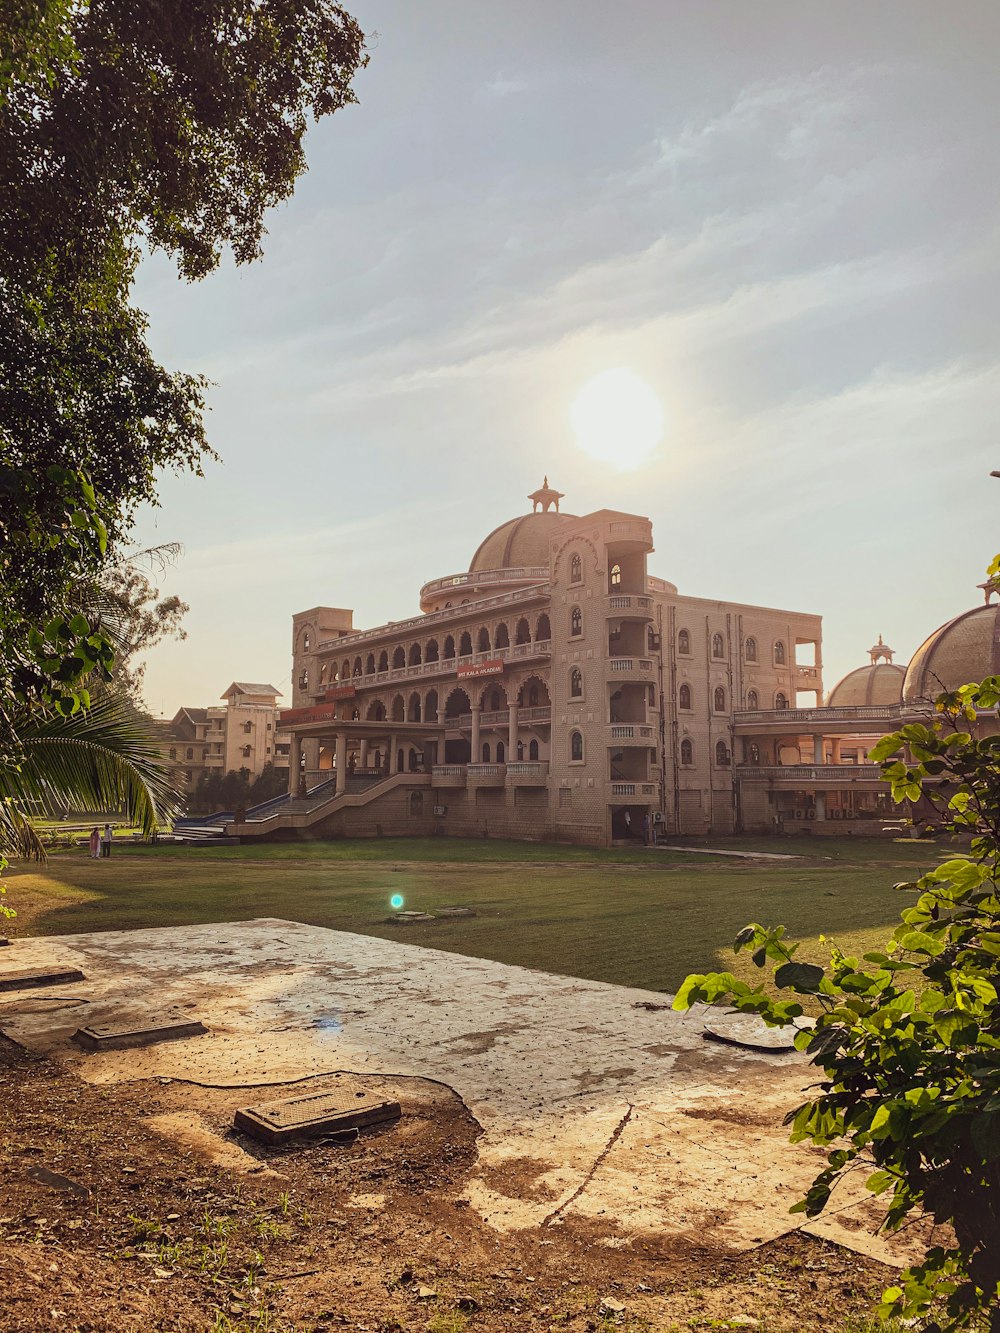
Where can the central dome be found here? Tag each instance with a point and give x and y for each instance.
(520, 543)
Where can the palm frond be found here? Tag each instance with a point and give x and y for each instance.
(103, 758)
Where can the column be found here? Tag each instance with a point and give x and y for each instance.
(341, 761)
(512, 733)
(821, 805)
(363, 760)
(817, 749)
(294, 763)
(476, 752)
(835, 746)
(393, 756)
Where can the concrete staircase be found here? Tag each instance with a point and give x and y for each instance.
(299, 814)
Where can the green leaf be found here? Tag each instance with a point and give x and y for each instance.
(802, 977)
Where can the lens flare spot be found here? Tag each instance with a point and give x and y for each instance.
(396, 901)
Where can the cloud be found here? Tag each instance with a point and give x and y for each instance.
(501, 86)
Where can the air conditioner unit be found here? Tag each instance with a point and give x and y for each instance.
(657, 816)
(440, 811)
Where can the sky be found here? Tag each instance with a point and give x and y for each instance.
(782, 216)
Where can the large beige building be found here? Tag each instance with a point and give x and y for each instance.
(241, 732)
(555, 689)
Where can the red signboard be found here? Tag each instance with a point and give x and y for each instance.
(340, 691)
(494, 667)
(318, 713)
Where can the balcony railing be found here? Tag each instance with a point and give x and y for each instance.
(449, 770)
(633, 789)
(398, 629)
(622, 665)
(501, 717)
(812, 772)
(540, 573)
(486, 770)
(621, 731)
(442, 666)
(871, 712)
(537, 770)
(622, 602)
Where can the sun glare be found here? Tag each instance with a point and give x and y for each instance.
(617, 419)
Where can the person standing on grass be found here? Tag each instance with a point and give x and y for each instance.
(95, 842)
(106, 840)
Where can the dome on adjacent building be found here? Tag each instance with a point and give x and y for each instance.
(879, 683)
(962, 650)
(523, 542)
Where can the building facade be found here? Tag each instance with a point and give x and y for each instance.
(554, 690)
(242, 732)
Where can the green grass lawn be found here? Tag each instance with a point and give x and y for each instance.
(635, 918)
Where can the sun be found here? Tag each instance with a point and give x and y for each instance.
(617, 419)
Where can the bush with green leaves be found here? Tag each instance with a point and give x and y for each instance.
(908, 1038)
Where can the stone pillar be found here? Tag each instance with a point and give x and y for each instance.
(817, 749)
(363, 760)
(835, 746)
(476, 755)
(393, 756)
(294, 763)
(821, 805)
(512, 733)
(341, 761)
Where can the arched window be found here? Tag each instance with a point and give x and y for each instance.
(465, 644)
(355, 714)
(431, 706)
(483, 643)
(687, 752)
(683, 641)
(502, 637)
(684, 697)
(576, 621)
(431, 651)
(415, 654)
(532, 696)
(721, 754)
(575, 569)
(576, 683)
(304, 679)
(383, 660)
(322, 674)
(449, 648)
(399, 658)
(750, 649)
(190, 752)
(345, 670)
(486, 752)
(718, 646)
(753, 753)
(173, 754)
(357, 666)
(501, 752)
(398, 709)
(413, 712)
(496, 701)
(616, 576)
(523, 632)
(779, 653)
(306, 641)
(370, 665)
(780, 701)
(533, 750)
(576, 746)
(753, 699)
(376, 711)
(543, 630)
(720, 699)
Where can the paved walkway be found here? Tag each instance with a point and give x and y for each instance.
(614, 1107)
(718, 851)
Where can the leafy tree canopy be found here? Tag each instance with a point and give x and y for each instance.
(170, 124)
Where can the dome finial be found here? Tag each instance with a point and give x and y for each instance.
(545, 498)
(880, 652)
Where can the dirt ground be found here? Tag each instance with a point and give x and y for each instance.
(108, 1224)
